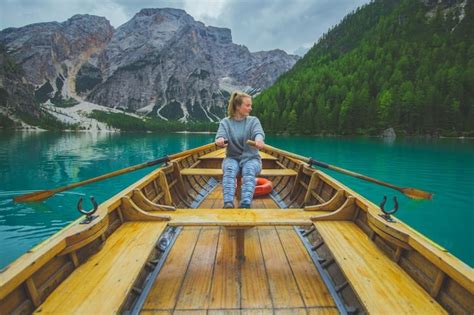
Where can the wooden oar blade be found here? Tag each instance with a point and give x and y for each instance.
(417, 193)
(36, 196)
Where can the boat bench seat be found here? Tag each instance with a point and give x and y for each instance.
(221, 154)
(381, 285)
(217, 172)
(101, 284)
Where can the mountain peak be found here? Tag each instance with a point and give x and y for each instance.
(161, 11)
(86, 18)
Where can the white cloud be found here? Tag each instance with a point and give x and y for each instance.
(22, 12)
(260, 25)
(204, 10)
(114, 12)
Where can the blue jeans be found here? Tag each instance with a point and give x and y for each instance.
(248, 170)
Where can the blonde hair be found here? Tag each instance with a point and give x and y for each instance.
(235, 100)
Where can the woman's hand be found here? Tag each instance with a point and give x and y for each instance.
(220, 142)
(259, 144)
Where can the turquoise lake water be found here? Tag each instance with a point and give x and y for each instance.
(36, 161)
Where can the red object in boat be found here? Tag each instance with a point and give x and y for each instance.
(263, 187)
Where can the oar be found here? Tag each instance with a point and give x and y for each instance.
(410, 192)
(43, 194)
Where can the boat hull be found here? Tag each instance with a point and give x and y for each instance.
(186, 193)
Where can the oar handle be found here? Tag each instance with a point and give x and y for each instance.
(280, 151)
(320, 164)
(158, 161)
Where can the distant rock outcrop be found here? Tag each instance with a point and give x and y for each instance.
(47, 50)
(16, 95)
(389, 133)
(162, 62)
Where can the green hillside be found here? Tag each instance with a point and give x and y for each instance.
(400, 64)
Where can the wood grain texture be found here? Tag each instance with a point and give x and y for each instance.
(238, 217)
(322, 311)
(115, 266)
(242, 287)
(312, 287)
(331, 205)
(220, 153)
(164, 293)
(283, 287)
(217, 172)
(255, 287)
(225, 291)
(381, 285)
(196, 287)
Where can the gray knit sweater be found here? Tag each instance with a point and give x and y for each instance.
(237, 132)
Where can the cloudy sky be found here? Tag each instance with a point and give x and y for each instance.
(291, 25)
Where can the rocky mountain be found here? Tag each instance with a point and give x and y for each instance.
(51, 53)
(162, 62)
(18, 105)
(15, 93)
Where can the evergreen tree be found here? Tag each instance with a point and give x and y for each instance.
(400, 64)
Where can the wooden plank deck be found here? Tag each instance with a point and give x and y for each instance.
(203, 276)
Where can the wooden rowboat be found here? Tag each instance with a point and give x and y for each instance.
(165, 245)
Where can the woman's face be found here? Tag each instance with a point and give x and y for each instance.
(246, 107)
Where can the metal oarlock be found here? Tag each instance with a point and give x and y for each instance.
(89, 214)
(387, 213)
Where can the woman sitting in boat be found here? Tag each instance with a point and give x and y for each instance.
(233, 133)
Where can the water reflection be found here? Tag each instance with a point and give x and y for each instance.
(389, 140)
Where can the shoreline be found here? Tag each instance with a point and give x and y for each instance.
(196, 132)
(36, 130)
